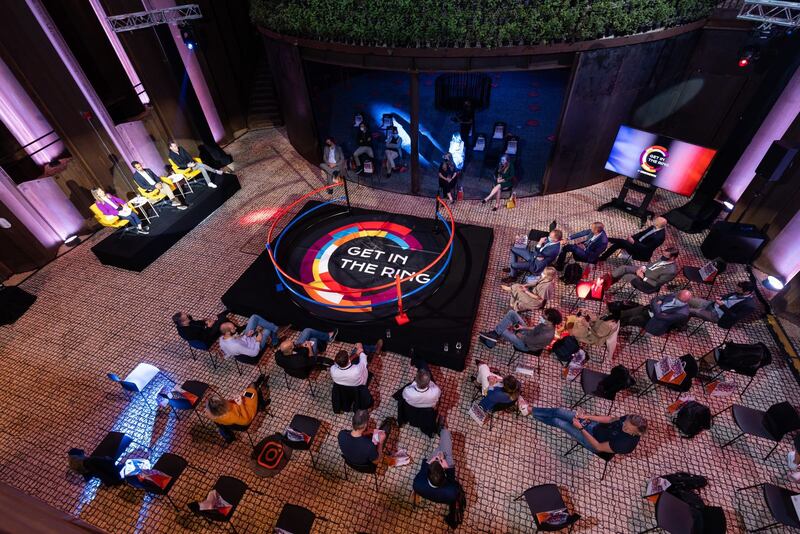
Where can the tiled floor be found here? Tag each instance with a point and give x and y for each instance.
(90, 320)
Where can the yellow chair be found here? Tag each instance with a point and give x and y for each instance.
(112, 221)
(155, 195)
(189, 174)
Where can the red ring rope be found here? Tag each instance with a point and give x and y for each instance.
(355, 290)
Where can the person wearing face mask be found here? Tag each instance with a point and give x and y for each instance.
(393, 150)
(654, 274)
(544, 253)
(447, 176)
(504, 181)
(514, 329)
(364, 139)
(332, 162)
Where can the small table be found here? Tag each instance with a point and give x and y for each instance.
(180, 182)
(140, 202)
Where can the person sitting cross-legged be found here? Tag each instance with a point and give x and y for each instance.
(514, 329)
(436, 479)
(151, 183)
(350, 369)
(361, 448)
(732, 306)
(496, 389)
(240, 411)
(251, 341)
(113, 206)
(533, 295)
(299, 357)
(598, 433)
(544, 253)
(207, 330)
(642, 243)
(594, 243)
(663, 312)
(185, 162)
(312, 338)
(654, 274)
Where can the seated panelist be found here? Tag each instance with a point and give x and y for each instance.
(116, 207)
(184, 162)
(151, 184)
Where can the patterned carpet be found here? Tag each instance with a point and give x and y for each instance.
(90, 320)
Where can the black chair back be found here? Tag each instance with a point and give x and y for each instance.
(350, 398)
(674, 515)
(232, 490)
(644, 287)
(197, 344)
(780, 419)
(779, 501)
(294, 372)
(369, 468)
(422, 418)
(295, 519)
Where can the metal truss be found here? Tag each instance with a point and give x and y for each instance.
(771, 13)
(146, 19)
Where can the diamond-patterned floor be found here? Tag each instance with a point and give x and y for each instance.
(90, 320)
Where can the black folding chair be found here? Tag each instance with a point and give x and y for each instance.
(250, 360)
(590, 384)
(516, 353)
(295, 519)
(715, 354)
(673, 515)
(772, 425)
(232, 490)
(300, 374)
(689, 366)
(692, 275)
(369, 468)
(308, 426)
(605, 456)
(179, 404)
(779, 502)
(422, 418)
(171, 465)
(547, 498)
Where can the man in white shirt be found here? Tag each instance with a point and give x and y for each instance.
(422, 392)
(351, 369)
(252, 341)
(149, 181)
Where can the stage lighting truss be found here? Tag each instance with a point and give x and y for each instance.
(146, 19)
(771, 13)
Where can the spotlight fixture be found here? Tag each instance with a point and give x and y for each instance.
(187, 34)
(72, 241)
(775, 283)
(728, 205)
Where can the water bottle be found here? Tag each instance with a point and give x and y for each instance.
(388, 333)
(447, 347)
(458, 345)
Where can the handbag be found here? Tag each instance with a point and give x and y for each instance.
(512, 202)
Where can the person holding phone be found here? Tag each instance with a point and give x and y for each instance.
(598, 433)
(436, 479)
(239, 411)
(514, 329)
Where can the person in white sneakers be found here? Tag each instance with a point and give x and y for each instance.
(185, 162)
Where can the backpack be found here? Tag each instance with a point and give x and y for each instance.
(565, 347)
(572, 274)
(692, 419)
(619, 378)
(744, 358)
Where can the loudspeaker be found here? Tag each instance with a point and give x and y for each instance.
(214, 156)
(733, 242)
(778, 159)
(14, 302)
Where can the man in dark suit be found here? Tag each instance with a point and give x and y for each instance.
(728, 309)
(186, 162)
(641, 244)
(514, 329)
(654, 274)
(436, 479)
(191, 329)
(594, 243)
(664, 312)
(150, 182)
(544, 253)
(299, 357)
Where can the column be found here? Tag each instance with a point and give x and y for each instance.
(415, 177)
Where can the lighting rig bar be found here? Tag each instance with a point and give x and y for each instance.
(771, 13)
(146, 19)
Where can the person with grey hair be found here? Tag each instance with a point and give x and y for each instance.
(422, 392)
(598, 433)
(361, 448)
(654, 274)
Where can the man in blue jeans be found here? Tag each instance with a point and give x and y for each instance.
(251, 341)
(544, 253)
(514, 329)
(436, 479)
(310, 339)
(598, 433)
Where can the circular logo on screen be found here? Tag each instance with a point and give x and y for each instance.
(654, 158)
(345, 264)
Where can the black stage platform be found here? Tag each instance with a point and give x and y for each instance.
(135, 252)
(441, 315)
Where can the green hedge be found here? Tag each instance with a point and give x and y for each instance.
(469, 23)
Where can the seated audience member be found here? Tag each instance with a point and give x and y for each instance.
(360, 448)
(206, 331)
(185, 162)
(116, 207)
(594, 242)
(534, 295)
(240, 411)
(436, 479)
(496, 389)
(314, 338)
(447, 176)
(504, 181)
(300, 357)
(151, 183)
(735, 306)
(422, 392)
(654, 274)
(332, 165)
(598, 433)
(544, 253)
(394, 150)
(589, 330)
(514, 329)
(364, 141)
(253, 339)
(793, 459)
(351, 369)
(663, 312)
(641, 244)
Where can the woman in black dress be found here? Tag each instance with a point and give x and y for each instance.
(447, 175)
